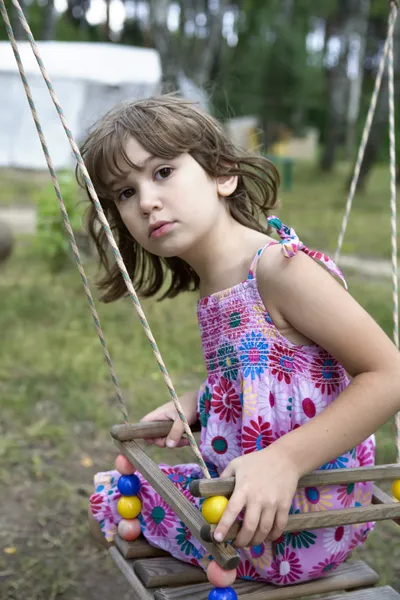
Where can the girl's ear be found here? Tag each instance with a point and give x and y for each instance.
(226, 185)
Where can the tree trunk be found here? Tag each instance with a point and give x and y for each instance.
(206, 60)
(336, 86)
(341, 25)
(360, 21)
(49, 21)
(107, 28)
(378, 130)
(161, 40)
(19, 32)
(380, 125)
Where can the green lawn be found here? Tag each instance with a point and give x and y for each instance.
(18, 187)
(316, 204)
(57, 402)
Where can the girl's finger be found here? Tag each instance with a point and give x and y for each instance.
(280, 522)
(233, 509)
(152, 416)
(265, 525)
(228, 471)
(249, 526)
(175, 434)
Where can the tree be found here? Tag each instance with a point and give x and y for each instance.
(16, 25)
(193, 53)
(380, 124)
(355, 86)
(49, 21)
(349, 18)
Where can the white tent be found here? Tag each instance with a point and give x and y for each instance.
(88, 79)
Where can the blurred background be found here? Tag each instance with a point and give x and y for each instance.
(290, 79)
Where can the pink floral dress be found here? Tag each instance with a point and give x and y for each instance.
(259, 387)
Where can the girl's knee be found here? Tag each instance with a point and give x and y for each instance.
(95, 531)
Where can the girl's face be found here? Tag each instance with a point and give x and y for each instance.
(169, 206)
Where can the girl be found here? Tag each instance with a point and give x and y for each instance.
(280, 335)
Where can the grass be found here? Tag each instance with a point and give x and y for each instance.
(18, 187)
(57, 401)
(315, 206)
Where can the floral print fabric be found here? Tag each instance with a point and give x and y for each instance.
(259, 387)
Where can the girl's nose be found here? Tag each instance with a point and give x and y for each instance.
(149, 200)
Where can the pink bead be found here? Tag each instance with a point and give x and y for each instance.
(129, 529)
(219, 577)
(123, 465)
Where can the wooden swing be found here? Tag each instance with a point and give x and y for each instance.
(151, 572)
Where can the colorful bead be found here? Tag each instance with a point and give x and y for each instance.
(226, 593)
(129, 529)
(128, 485)
(129, 507)
(396, 489)
(220, 577)
(123, 465)
(213, 508)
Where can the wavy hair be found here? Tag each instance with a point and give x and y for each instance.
(166, 127)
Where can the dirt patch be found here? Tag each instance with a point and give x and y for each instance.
(46, 550)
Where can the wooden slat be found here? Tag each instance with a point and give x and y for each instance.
(126, 569)
(203, 488)
(381, 497)
(137, 549)
(223, 553)
(156, 572)
(319, 520)
(348, 576)
(137, 431)
(379, 593)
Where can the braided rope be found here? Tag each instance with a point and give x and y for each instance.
(393, 219)
(367, 129)
(131, 291)
(67, 222)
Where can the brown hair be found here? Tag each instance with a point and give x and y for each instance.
(166, 127)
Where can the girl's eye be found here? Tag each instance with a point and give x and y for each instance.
(163, 173)
(126, 194)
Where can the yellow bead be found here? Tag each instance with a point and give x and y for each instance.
(213, 508)
(129, 507)
(396, 489)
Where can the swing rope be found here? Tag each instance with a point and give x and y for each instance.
(393, 220)
(368, 124)
(386, 59)
(131, 291)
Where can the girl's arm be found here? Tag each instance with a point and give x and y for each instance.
(308, 298)
(311, 300)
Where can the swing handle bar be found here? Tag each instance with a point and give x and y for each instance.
(204, 488)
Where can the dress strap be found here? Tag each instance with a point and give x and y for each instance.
(290, 245)
(254, 262)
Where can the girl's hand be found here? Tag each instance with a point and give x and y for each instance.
(266, 482)
(167, 412)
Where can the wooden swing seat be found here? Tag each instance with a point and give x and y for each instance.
(154, 574)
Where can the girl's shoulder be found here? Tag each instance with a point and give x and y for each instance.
(277, 261)
(298, 286)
